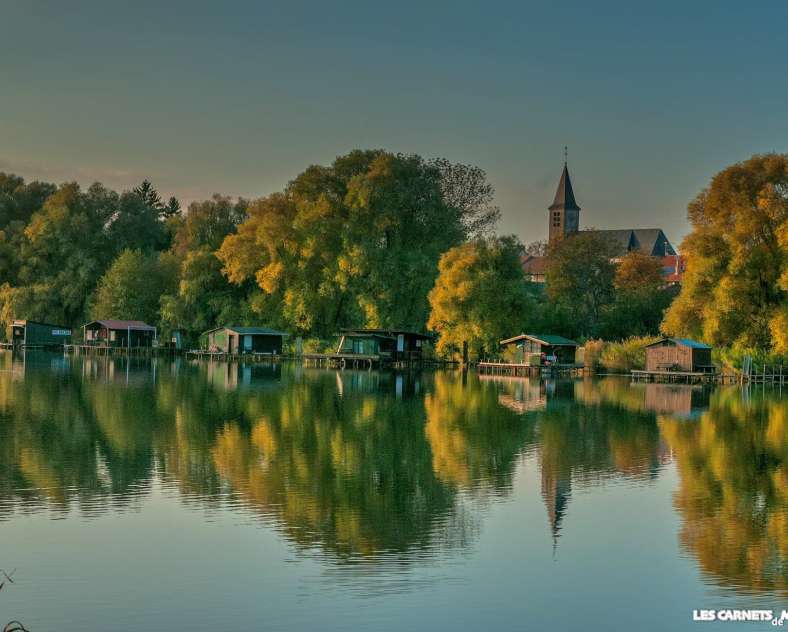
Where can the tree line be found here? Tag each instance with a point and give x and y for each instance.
(379, 239)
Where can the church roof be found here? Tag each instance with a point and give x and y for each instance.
(564, 196)
(649, 241)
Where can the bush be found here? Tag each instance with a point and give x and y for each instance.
(733, 357)
(626, 355)
(592, 352)
(317, 345)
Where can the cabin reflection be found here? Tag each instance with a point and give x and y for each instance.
(520, 394)
(397, 383)
(232, 375)
(18, 362)
(126, 370)
(680, 400)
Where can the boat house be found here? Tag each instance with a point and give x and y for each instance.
(546, 347)
(394, 344)
(119, 333)
(679, 354)
(30, 333)
(236, 340)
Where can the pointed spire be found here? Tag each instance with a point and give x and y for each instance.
(564, 196)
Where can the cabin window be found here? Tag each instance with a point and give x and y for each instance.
(358, 346)
(112, 335)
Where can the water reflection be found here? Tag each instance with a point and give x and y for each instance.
(733, 497)
(363, 466)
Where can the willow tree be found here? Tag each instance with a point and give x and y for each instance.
(358, 242)
(735, 289)
(480, 295)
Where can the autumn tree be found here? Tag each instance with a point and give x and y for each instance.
(735, 289)
(357, 243)
(641, 297)
(480, 295)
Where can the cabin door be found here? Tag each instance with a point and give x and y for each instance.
(247, 343)
(400, 343)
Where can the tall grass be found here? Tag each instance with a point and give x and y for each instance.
(616, 357)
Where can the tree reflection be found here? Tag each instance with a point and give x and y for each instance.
(733, 496)
(365, 465)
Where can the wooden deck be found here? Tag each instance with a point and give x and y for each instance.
(514, 369)
(254, 356)
(688, 377)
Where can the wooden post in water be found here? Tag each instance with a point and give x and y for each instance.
(465, 353)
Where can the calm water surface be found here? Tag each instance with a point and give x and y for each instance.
(192, 496)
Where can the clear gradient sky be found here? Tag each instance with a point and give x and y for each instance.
(238, 97)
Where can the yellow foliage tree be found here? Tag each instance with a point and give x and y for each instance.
(735, 289)
(480, 295)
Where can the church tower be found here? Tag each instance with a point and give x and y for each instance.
(564, 211)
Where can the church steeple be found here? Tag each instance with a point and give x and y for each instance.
(564, 211)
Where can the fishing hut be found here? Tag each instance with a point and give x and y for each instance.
(34, 334)
(535, 354)
(365, 348)
(119, 334)
(677, 360)
(231, 340)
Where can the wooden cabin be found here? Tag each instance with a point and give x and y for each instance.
(237, 340)
(30, 333)
(394, 344)
(119, 333)
(550, 349)
(679, 354)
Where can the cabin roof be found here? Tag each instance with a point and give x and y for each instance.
(248, 331)
(26, 321)
(549, 340)
(136, 325)
(684, 342)
(390, 333)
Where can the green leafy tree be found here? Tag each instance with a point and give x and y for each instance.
(735, 288)
(579, 280)
(132, 286)
(64, 252)
(480, 296)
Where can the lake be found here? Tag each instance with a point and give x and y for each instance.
(171, 495)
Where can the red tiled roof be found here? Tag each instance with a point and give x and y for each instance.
(533, 264)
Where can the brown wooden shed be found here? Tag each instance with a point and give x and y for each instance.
(678, 354)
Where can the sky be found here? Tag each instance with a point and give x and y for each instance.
(652, 99)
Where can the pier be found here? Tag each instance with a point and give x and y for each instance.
(518, 369)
